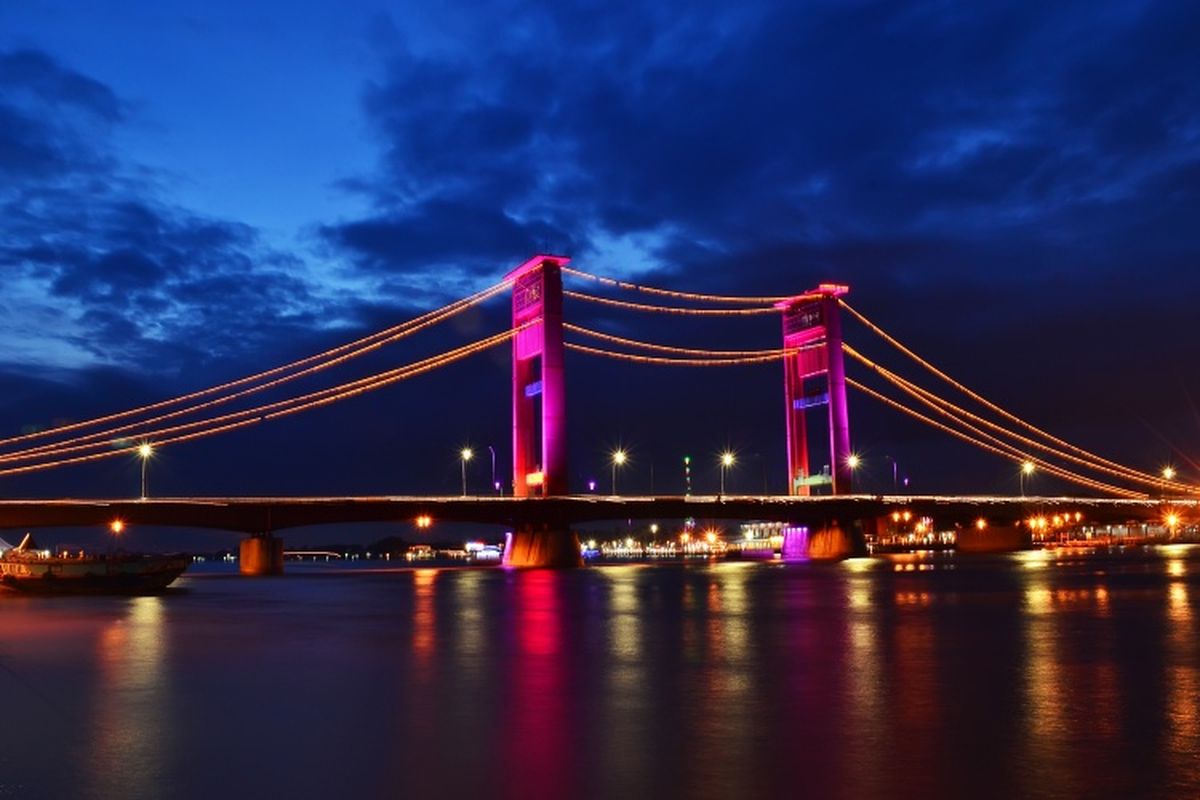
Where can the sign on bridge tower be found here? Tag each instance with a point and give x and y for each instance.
(539, 396)
(815, 377)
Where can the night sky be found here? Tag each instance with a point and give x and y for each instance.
(190, 192)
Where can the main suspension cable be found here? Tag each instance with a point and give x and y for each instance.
(1048, 467)
(688, 351)
(979, 398)
(679, 362)
(943, 405)
(319, 361)
(705, 298)
(715, 312)
(251, 416)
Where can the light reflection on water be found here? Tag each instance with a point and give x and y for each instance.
(1029, 675)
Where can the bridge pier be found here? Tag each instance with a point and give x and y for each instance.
(833, 541)
(993, 539)
(261, 554)
(544, 545)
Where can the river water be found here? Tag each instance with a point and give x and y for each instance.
(1033, 675)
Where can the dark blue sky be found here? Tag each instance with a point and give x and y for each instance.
(189, 192)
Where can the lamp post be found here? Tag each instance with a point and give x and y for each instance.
(145, 450)
(466, 455)
(1027, 469)
(1168, 473)
(495, 483)
(727, 461)
(619, 458)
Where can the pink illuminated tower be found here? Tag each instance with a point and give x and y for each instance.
(813, 377)
(539, 393)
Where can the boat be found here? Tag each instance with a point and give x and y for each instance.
(25, 568)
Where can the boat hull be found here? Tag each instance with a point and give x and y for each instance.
(91, 576)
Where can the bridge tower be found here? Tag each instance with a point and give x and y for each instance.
(814, 377)
(539, 413)
(538, 390)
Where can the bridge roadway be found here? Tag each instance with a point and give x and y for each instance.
(258, 515)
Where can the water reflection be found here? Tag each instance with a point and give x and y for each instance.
(537, 761)
(424, 620)
(130, 741)
(1012, 676)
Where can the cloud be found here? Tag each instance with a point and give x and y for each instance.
(809, 123)
(87, 239)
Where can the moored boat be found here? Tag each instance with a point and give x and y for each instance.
(25, 568)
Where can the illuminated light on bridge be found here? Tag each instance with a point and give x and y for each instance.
(424, 521)
(981, 524)
(116, 526)
(727, 461)
(619, 457)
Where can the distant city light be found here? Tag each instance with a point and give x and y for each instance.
(853, 461)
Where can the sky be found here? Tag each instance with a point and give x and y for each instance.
(193, 192)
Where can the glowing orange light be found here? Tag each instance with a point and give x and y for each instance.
(535, 479)
(907, 516)
(116, 526)
(895, 516)
(424, 521)
(980, 523)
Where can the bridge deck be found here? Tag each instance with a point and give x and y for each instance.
(262, 514)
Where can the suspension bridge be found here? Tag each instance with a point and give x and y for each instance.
(827, 518)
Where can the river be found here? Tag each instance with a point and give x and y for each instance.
(1031, 675)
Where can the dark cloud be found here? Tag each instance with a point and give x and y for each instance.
(142, 280)
(38, 75)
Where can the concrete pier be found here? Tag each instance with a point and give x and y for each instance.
(261, 555)
(833, 541)
(542, 546)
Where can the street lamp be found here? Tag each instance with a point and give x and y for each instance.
(727, 461)
(1026, 472)
(895, 474)
(145, 450)
(1168, 473)
(619, 458)
(495, 483)
(466, 455)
